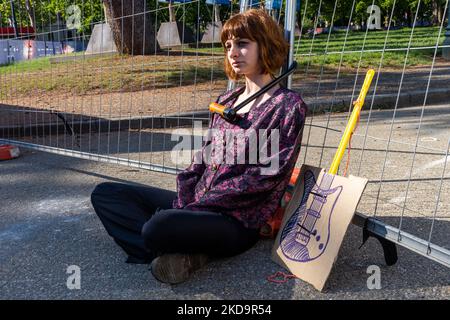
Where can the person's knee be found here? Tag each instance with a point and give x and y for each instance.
(155, 231)
(103, 188)
(102, 191)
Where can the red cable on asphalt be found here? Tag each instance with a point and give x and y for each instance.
(286, 277)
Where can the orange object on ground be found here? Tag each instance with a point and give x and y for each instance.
(272, 227)
(8, 152)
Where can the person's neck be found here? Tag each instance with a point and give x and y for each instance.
(254, 83)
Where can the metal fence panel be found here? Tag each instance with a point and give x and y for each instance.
(125, 108)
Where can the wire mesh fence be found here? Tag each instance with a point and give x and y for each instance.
(403, 152)
(69, 86)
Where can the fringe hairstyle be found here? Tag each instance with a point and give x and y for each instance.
(258, 26)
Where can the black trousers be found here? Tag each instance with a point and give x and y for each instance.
(142, 222)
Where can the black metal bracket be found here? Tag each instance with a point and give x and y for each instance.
(389, 248)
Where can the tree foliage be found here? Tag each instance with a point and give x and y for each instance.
(46, 12)
(198, 14)
(404, 10)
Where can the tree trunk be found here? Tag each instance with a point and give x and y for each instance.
(216, 13)
(171, 12)
(437, 17)
(129, 25)
(299, 20)
(440, 13)
(30, 12)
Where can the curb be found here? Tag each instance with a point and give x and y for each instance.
(104, 125)
(385, 101)
(381, 101)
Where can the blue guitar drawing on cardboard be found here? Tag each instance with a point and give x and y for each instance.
(307, 233)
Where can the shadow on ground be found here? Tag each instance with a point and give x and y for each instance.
(48, 224)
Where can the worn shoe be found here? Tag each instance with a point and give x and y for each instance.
(176, 267)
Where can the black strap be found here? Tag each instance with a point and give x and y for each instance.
(233, 96)
(389, 248)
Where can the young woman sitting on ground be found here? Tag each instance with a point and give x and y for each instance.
(218, 208)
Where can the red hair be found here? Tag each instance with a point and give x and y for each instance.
(258, 26)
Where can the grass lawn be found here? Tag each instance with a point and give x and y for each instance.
(311, 51)
(397, 42)
(108, 73)
(132, 73)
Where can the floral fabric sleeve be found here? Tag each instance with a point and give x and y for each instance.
(188, 178)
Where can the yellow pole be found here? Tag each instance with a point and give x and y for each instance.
(358, 104)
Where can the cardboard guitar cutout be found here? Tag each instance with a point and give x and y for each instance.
(317, 217)
(303, 239)
(315, 222)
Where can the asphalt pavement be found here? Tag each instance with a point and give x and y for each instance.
(48, 225)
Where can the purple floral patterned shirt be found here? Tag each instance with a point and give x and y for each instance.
(241, 189)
